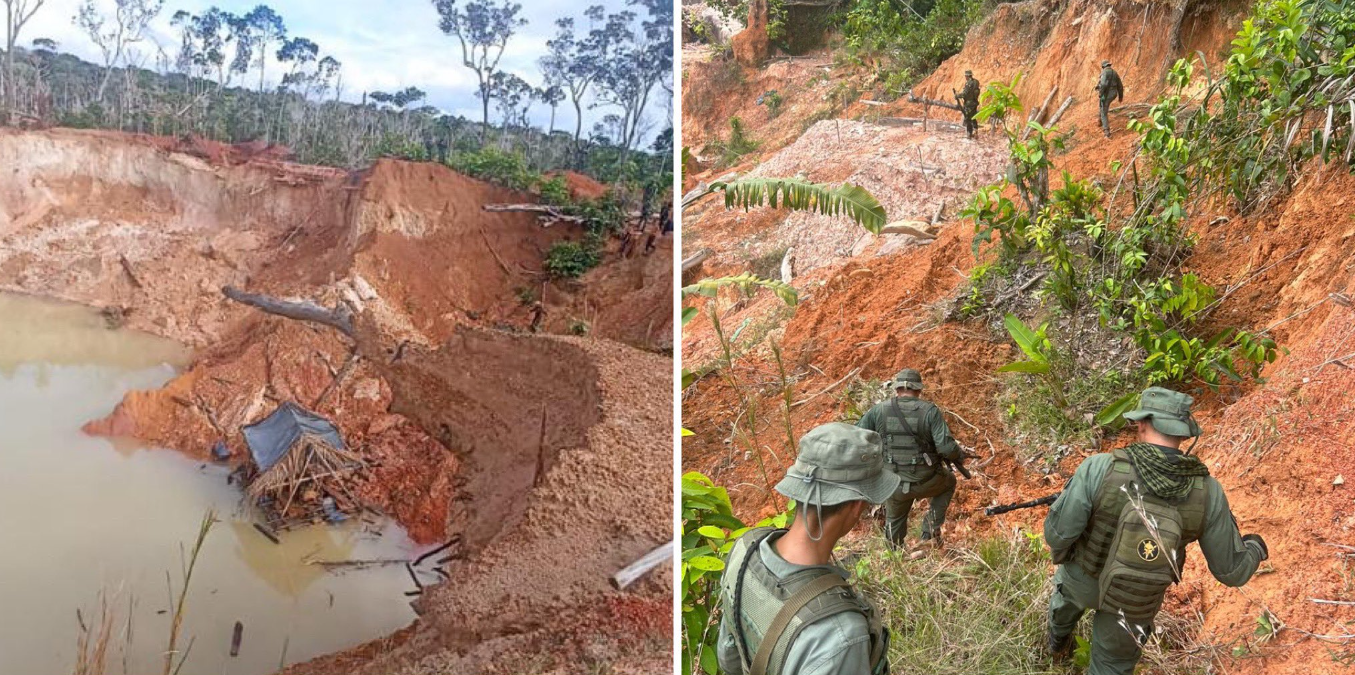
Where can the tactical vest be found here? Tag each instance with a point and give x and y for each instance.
(907, 448)
(1135, 563)
(769, 612)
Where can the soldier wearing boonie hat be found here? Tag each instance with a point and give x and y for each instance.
(787, 609)
(917, 446)
(1120, 528)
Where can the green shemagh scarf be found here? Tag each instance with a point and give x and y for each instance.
(1167, 477)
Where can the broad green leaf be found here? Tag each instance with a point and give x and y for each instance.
(849, 200)
(1030, 367)
(707, 563)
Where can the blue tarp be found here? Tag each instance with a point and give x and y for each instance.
(271, 438)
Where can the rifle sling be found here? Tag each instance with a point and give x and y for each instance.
(925, 444)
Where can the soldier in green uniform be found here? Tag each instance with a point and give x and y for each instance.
(1108, 88)
(969, 103)
(916, 444)
(787, 610)
(1119, 533)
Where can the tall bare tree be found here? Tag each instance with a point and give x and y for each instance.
(17, 14)
(483, 27)
(112, 35)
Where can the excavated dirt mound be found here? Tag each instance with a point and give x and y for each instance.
(543, 500)
(135, 226)
(1281, 448)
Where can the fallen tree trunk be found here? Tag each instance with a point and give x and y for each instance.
(696, 259)
(1059, 113)
(1038, 113)
(549, 215)
(339, 318)
(931, 101)
(632, 572)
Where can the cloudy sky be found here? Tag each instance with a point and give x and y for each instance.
(384, 45)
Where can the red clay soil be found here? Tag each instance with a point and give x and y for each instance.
(134, 226)
(581, 186)
(1283, 449)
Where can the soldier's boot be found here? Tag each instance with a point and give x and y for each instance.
(1060, 648)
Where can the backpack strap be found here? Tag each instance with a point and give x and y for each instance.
(787, 612)
(755, 538)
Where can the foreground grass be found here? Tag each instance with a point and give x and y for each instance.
(982, 611)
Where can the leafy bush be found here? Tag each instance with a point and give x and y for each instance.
(738, 145)
(571, 259)
(394, 145)
(909, 39)
(508, 169)
(774, 101)
(554, 191)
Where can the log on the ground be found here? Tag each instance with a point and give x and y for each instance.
(549, 215)
(916, 228)
(1037, 114)
(339, 318)
(913, 121)
(1054, 119)
(912, 98)
(632, 572)
(696, 259)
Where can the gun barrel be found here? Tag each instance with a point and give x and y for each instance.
(1042, 501)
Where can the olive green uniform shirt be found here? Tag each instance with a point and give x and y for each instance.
(1231, 560)
(835, 644)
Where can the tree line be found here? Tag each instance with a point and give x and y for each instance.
(215, 82)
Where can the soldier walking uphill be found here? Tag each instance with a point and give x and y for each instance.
(787, 610)
(917, 445)
(1108, 88)
(1119, 533)
(969, 103)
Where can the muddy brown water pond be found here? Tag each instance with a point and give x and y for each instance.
(83, 518)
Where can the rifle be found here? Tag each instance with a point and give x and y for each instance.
(1042, 501)
(958, 465)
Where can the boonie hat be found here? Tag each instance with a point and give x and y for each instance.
(838, 462)
(1167, 410)
(907, 379)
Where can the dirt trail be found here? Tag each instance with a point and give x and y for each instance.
(1278, 447)
(151, 229)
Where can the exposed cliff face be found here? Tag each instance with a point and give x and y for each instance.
(550, 457)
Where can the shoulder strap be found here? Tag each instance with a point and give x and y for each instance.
(787, 612)
(755, 538)
(925, 443)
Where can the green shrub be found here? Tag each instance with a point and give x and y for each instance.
(508, 169)
(399, 147)
(909, 44)
(738, 145)
(571, 259)
(554, 191)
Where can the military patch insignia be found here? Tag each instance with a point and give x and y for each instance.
(1149, 550)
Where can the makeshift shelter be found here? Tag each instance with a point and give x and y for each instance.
(301, 467)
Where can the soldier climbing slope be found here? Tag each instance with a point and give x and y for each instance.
(1108, 88)
(787, 610)
(917, 445)
(1119, 533)
(969, 103)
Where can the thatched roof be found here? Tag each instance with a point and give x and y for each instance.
(271, 438)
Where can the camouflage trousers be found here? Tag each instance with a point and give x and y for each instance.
(1105, 116)
(939, 489)
(1115, 642)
